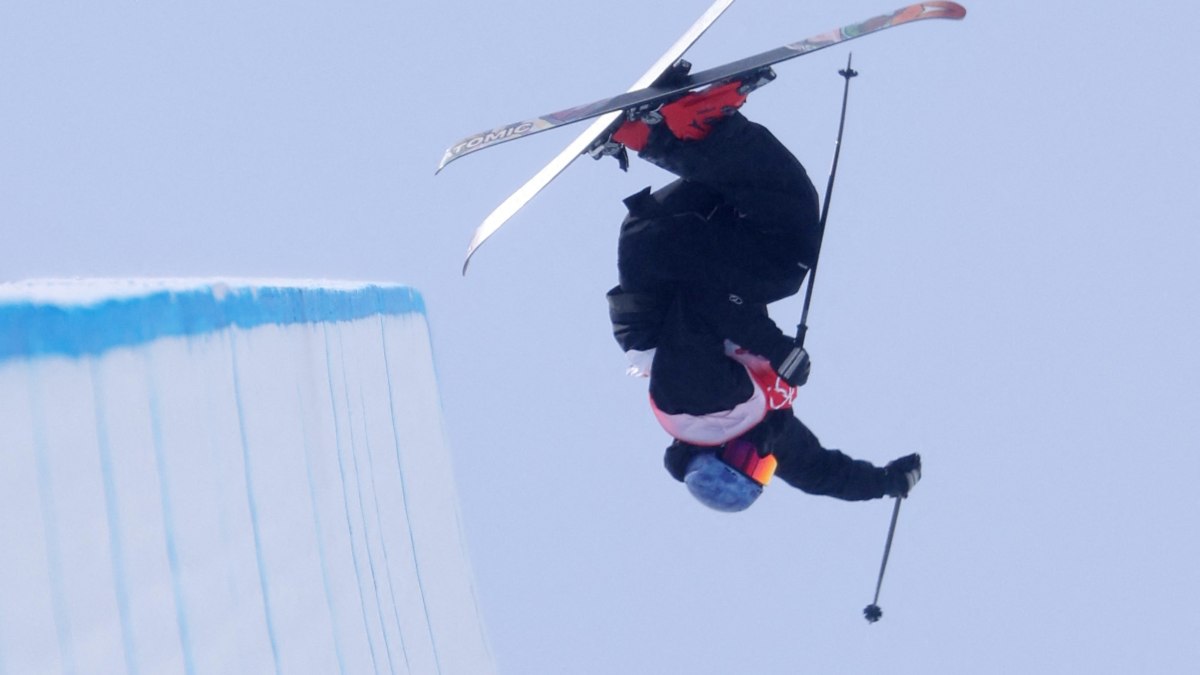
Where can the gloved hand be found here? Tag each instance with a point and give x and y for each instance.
(900, 475)
(794, 366)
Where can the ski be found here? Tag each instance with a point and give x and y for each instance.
(595, 131)
(652, 95)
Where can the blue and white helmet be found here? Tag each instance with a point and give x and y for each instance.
(719, 486)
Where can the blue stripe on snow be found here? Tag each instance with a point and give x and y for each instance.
(169, 525)
(337, 435)
(112, 515)
(362, 510)
(252, 505)
(412, 540)
(387, 564)
(30, 328)
(52, 532)
(320, 535)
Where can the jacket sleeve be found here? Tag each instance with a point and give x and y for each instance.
(636, 318)
(805, 465)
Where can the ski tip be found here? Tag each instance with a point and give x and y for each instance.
(448, 157)
(474, 246)
(946, 10)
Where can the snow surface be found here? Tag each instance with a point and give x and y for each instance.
(264, 490)
(90, 291)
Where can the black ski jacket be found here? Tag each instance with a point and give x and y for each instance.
(698, 262)
(691, 372)
(743, 218)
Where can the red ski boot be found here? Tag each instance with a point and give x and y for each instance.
(689, 118)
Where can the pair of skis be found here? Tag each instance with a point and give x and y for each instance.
(652, 90)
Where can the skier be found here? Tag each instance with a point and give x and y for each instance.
(698, 262)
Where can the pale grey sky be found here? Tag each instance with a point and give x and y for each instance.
(1008, 287)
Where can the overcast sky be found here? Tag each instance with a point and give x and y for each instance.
(1008, 286)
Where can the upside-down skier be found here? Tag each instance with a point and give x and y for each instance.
(698, 262)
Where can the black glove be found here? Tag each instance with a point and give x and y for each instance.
(793, 366)
(900, 475)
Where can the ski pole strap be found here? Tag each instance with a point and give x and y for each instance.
(743, 456)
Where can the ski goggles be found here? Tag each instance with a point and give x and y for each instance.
(743, 456)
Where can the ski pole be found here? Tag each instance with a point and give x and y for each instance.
(872, 611)
(802, 329)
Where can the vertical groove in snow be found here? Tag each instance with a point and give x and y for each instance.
(41, 451)
(320, 533)
(168, 514)
(362, 511)
(251, 503)
(113, 518)
(337, 432)
(387, 566)
(404, 497)
(165, 433)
